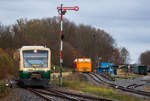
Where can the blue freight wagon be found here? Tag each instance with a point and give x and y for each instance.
(105, 64)
(105, 67)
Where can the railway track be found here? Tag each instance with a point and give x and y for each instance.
(107, 76)
(95, 78)
(51, 94)
(127, 89)
(42, 95)
(134, 85)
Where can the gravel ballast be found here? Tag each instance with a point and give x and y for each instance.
(19, 94)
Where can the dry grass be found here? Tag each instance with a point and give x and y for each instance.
(147, 88)
(56, 75)
(64, 69)
(130, 75)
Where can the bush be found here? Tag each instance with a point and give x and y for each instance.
(3, 90)
(6, 64)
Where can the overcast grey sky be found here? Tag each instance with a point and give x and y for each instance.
(128, 21)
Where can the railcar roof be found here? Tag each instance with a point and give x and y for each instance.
(33, 47)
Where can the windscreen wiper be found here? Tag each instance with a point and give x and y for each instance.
(30, 64)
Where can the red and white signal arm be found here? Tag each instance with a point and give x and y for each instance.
(76, 8)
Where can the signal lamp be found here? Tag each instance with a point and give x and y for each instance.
(35, 51)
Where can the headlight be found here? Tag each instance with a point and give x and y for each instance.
(25, 69)
(45, 69)
(6, 84)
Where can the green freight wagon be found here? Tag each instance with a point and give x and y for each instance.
(114, 70)
(142, 70)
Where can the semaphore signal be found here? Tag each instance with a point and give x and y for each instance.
(76, 8)
(62, 10)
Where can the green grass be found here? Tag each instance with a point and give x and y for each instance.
(120, 78)
(103, 91)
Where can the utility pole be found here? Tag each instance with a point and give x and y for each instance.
(62, 10)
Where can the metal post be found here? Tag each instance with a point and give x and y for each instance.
(61, 48)
(97, 61)
(94, 60)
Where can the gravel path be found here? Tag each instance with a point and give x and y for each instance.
(19, 94)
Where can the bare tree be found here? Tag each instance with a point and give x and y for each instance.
(124, 56)
(84, 40)
(145, 58)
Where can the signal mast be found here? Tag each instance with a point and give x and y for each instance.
(62, 10)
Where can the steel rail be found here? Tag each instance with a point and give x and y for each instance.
(79, 95)
(51, 94)
(134, 86)
(89, 74)
(107, 77)
(56, 94)
(41, 95)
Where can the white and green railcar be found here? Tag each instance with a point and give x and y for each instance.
(34, 65)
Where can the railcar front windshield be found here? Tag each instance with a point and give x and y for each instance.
(35, 58)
